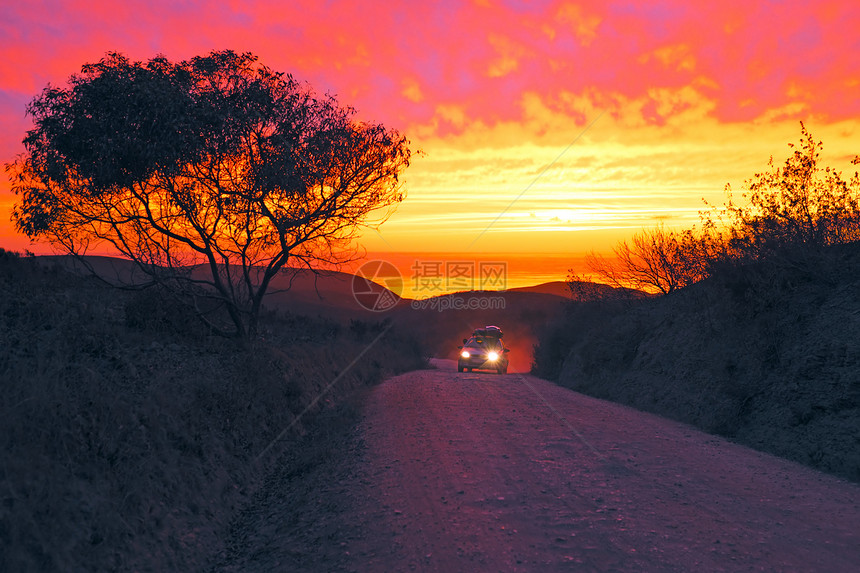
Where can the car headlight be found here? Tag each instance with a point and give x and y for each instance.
(464, 354)
(493, 356)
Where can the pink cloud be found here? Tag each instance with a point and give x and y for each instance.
(452, 64)
(481, 56)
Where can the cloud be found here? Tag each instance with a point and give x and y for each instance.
(693, 95)
(677, 57)
(480, 56)
(583, 24)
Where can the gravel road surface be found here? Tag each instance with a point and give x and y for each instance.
(448, 471)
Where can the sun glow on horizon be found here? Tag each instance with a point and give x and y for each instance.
(501, 100)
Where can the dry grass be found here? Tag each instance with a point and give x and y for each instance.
(127, 438)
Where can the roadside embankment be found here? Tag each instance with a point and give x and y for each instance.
(128, 437)
(767, 356)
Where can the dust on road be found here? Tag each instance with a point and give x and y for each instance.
(456, 471)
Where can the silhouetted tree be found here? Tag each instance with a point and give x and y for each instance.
(655, 260)
(210, 174)
(798, 206)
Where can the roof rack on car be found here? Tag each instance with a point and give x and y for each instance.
(493, 331)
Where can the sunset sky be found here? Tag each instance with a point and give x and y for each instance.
(546, 126)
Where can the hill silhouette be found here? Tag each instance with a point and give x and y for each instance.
(438, 323)
(327, 293)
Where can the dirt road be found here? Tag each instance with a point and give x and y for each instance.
(480, 472)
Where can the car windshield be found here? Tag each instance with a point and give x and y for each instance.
(481, 342)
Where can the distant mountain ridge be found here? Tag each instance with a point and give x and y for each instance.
(293, 289)
(439, 322)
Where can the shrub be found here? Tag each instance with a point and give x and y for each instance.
(798, 206)
(788, 213)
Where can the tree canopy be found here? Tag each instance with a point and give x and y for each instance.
(210, 174)
(791, 210)
(656, 260)
(799, 205)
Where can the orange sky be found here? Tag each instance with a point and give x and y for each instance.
(546, 126)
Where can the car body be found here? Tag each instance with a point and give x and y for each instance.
(484, 350)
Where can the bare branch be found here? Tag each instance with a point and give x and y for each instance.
(210, 174)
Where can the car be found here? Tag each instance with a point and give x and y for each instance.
(484, 350)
